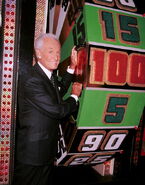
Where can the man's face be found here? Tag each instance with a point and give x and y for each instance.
(49, 54)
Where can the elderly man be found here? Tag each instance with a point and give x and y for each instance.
(40, 109)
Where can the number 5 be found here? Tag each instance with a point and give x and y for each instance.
(115, 108)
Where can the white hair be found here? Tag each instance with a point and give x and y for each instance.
(39, 41)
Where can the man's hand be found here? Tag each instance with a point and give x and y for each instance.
(76, 89)
(73, 58)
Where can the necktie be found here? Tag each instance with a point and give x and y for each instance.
(52, 80)
(54, 83)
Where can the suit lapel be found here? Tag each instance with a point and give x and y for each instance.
(38, 69)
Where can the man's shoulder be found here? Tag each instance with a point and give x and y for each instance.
(29, 76)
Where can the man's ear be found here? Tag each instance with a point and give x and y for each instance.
(38, 53)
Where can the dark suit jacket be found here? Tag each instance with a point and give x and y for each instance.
(40, 110)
